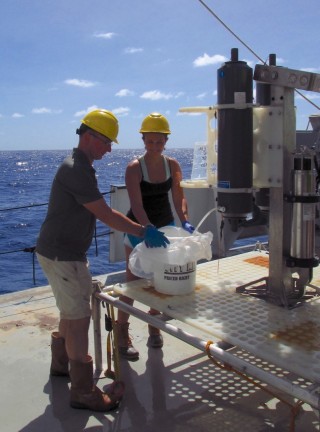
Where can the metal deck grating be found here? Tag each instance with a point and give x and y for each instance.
(288, 338)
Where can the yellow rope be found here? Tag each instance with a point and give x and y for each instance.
(293, 408)
(112, 348)
(109, 372)
(116, 361)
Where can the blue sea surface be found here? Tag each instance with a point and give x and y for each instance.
(25, 183)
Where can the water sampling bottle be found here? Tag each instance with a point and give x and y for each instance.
(235, 140)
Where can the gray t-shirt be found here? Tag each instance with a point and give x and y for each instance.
(67, 231)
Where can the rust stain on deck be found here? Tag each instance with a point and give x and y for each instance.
(304, 336)
(261, 261)
(41, 320)
(151, 290)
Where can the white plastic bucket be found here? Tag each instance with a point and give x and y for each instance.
(175, 279)
(172, 269)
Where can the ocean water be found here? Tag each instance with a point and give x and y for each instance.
(25, 183)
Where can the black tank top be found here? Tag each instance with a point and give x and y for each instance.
(155, 197)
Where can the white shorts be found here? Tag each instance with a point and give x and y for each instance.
(71, 283)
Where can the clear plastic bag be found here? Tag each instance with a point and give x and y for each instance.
(183, 249)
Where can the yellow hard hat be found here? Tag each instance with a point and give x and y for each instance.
(104, 122)
(155, 122)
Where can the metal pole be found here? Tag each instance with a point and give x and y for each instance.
(280, 278)
(96, 317)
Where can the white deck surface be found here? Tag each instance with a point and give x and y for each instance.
(174, 389)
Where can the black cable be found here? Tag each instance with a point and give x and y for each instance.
(24, 207)
(36, 205)
(32, 249)
(34, 267)
(228, 28)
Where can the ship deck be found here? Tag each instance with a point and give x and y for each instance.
(175, 388)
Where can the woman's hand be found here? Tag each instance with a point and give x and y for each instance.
(188, 227)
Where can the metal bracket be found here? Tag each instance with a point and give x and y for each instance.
(285, 77)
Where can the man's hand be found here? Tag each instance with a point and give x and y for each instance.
(154, 238)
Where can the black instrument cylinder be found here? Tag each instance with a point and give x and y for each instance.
(235, 138)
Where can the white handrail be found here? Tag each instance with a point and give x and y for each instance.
(281, 384)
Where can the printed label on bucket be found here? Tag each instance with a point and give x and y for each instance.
(175, 279)
(179, 272)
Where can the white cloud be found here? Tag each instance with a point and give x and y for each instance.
(156, 95)
(41, 110)
(108, 35)
(313, 70)
(133, 50)
(250, 63)
(121, 111)
(17, 115)
(202, 95)
(44, 110)
(124, 92)
(84, 112)
(179, 94)
(79, 83)
(206, 60)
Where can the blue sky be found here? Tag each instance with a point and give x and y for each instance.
(61, 58)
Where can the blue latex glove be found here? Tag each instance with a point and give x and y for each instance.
(188, 227)
(154, 238)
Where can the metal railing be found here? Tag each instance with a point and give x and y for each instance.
(309, 395)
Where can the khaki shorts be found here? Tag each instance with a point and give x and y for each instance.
(71, 283)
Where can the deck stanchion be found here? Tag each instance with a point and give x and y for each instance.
(96, 317)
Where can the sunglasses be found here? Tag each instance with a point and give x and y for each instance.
(105, 140)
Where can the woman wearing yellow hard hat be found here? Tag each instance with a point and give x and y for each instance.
(149, 179)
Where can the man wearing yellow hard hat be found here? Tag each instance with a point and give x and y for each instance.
(65, 236)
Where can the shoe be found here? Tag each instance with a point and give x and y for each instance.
(124, 343)
(155, 339)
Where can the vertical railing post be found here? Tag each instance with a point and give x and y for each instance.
(96, 317)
